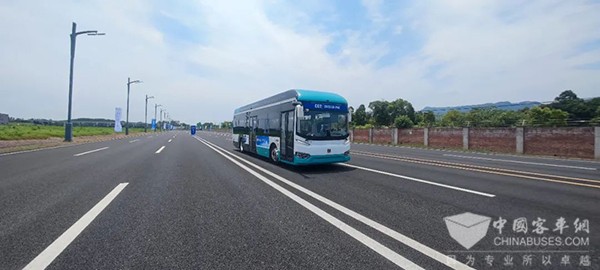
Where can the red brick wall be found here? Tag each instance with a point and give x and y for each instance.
(566, 142)
(446, 137)
(382, 136)
(493, 139)
(410, 136)
(361, 135)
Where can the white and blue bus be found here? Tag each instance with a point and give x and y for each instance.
(299, 127)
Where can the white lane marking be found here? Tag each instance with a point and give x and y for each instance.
(364, 239)
(452, 263)
(420, 180)
(136, 140)
(53, 250)
(170, 140)
(35, 150)
(91, 151)
(159, 150)
(524, 162)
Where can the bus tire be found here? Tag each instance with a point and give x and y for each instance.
(273, 153)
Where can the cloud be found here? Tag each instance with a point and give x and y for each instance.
(203, 59)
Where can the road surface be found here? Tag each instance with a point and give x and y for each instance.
(175, 201)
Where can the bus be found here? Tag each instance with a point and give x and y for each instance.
(298, 127)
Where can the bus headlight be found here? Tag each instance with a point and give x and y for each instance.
(347, 153)
(302, 155)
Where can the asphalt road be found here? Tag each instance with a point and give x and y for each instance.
(175, 201)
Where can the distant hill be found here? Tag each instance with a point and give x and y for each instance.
(503, 105)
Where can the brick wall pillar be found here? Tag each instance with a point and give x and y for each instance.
(370, 135)
(520, 140)
(466, 138)
(597, 142)
(395, 136)
(426, 136)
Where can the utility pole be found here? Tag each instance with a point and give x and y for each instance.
(146, 114)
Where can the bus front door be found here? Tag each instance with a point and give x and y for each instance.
(287, 136)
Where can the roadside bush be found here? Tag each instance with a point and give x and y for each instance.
(403, 121)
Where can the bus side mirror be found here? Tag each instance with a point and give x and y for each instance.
(350, 112)
(300, 112)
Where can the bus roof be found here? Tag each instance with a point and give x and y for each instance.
(298, 94)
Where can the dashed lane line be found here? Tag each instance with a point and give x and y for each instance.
(53, 250)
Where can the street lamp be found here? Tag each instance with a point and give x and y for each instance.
(74, 34)
(156, 119)
(146, 114)
(129, 82)
(161, 117)
(166, 124)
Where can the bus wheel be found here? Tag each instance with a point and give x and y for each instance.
(273, 155)
(241, 143)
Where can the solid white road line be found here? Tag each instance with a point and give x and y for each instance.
(420, 180)
(53, 250)
(170, 140)
(524, 162)
(136, 140)
(364, 239)
(452, 263)
(159, 150)
(92, 151)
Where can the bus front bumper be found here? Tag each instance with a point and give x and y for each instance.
(321, 159)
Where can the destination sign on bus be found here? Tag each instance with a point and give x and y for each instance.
(325, 106)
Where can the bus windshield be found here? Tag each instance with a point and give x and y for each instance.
(323, 125)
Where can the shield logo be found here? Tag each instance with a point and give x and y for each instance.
(467, 228)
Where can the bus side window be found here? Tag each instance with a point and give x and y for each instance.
(266, 126)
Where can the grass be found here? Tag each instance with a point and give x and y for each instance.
(31, 132)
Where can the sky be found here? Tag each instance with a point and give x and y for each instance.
(202, 59)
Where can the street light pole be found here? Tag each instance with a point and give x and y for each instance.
(146, 114)
(156, 119)
(161, 116)
(129, 82)
(74, 34)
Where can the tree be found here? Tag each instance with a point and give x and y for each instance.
(424, 118)
(544, 116)
(576, 107)
(226, 124)
(428, 118)
(381, 116)
(453, 118)
(360, 117)
(509, 118)
(566, 96)
(403, 121)
(401, 107)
